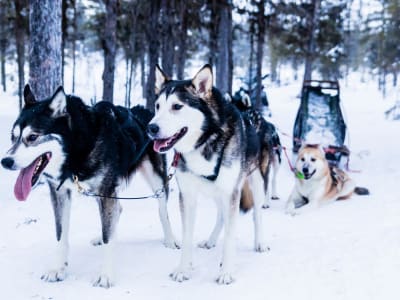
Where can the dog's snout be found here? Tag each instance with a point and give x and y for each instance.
(7, 163)
(305, 170)
(153, 129)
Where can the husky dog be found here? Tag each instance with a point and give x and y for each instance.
(217, 154)
(271, 147)
(101, 147)
(317, 183)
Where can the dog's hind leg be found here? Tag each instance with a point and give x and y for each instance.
(61, 202)
(256, 181)
(110, 211)
(230, 208)
(212, 240)
(156, 182)
(275, 169)
(265, 169)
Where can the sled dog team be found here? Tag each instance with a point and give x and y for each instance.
(224, 148)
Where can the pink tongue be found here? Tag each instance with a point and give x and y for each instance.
(23, 185)
(158, 144)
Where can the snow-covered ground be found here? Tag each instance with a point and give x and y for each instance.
(347, 250)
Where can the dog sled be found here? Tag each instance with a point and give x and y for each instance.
(319, 120)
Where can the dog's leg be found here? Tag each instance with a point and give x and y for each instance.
(275, 166)
(290, 207)
(156, 182)
(61, 202)
(212, 240)
(109, 213)
(256, 181)
(347, 189)
(169, 239)
(187, 203)
(230, 208)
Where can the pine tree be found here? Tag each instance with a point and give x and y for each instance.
(109, 45)
(44, 47)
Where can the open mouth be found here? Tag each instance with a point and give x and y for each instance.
(163, 145)
(309, 175)
(29, 176)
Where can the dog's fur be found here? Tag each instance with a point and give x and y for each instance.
(316, 183)
(218, 153)
(103, 146)
(269, 140)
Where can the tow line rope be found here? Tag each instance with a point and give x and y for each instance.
(159, 193)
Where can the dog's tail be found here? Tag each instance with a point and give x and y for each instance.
(246, 199)
(362, 191)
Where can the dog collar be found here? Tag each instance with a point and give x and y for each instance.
(177, 157)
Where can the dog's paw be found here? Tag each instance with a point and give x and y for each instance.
(224, 278)
(275, 197)
(103, 281)
(172, 244)
(207, 244)
(265, 206)
(54, 275)
(261, 247)
(97, 242)
(180, 275)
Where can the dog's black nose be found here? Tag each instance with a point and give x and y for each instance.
(153, 129)
(7, 163)
(305, 171)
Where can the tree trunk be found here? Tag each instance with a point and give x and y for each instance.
(143, 74)
(64, 36)
(110, 49)
(312, 26)
(224, 63)
(45, 47)
(260, 50)
(75, 32)
(131, 78)
(20, 45)
(251, 59)
(153, 41)
(213, 32)
(3, 44)
(168, 45)
(181, 53)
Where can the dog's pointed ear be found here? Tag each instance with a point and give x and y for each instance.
(203, 81)
(228, 97)
(161, 79)
(58, 103)
(246, 100)
(29, 98)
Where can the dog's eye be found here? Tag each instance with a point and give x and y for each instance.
(313, 159)
(157, 106)
(302, 159)
(32, 137)
(177, 106)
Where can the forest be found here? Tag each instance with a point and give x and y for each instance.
(324, 39)
(108, 50)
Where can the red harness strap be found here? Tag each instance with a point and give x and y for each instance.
(177, 157)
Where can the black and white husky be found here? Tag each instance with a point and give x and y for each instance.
(271, 148)
(101, 146)
(217, 154)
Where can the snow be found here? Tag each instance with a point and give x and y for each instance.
(347, 250)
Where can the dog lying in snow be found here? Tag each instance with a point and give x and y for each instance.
(317, 183)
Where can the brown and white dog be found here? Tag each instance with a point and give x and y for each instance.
(317, 183)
